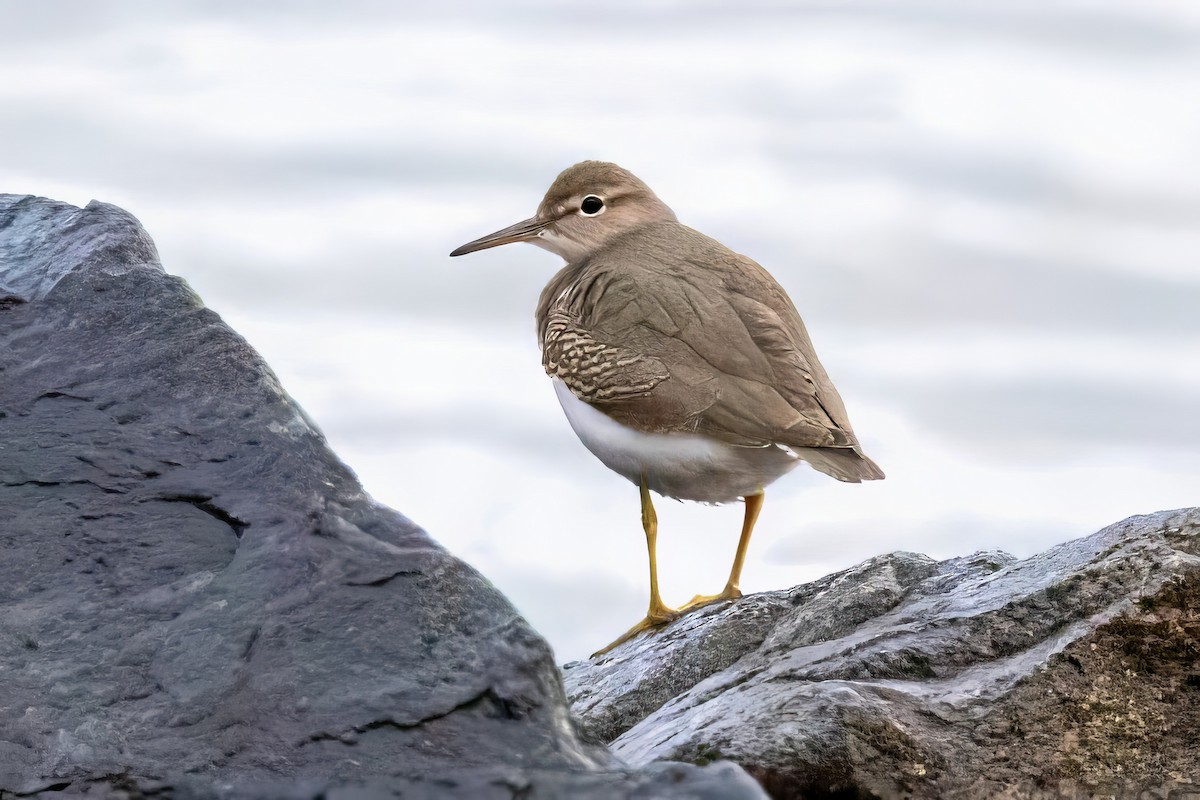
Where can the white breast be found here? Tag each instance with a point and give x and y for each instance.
(687, 466)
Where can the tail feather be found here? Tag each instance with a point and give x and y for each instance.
(842, 463)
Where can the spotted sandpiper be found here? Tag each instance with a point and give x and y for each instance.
(680, 364)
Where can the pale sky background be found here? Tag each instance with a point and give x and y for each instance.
(987, 213)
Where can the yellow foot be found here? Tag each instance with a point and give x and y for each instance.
(700, 600)
(652, 620)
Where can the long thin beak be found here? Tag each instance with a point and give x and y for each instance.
(523, 231)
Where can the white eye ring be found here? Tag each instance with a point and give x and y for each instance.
(583, 204)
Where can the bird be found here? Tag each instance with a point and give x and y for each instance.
(682, 365)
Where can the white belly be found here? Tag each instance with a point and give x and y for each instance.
(686, 466)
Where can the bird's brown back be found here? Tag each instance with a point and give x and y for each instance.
(667, 330)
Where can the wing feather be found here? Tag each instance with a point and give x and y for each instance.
(668, 330)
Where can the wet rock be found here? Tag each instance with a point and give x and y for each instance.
(1073, 673)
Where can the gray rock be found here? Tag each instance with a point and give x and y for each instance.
(198, 599)
(1074, 673)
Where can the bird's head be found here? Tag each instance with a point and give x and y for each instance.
(586, 206)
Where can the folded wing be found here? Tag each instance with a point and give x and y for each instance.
(682, 341)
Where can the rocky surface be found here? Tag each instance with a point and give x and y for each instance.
(196, 596)
(1074, 673)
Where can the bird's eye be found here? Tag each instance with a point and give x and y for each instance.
(591, 206)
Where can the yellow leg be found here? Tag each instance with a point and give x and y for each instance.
(732, 591)
(658, 613)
